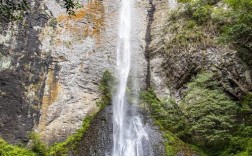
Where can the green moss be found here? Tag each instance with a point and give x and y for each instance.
(167, 113)
(171, 147)
(70, 144)
(37, 146)
(106, 87)
(11, 150)
(174, 145)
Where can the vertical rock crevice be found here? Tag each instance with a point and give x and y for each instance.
(150, 19)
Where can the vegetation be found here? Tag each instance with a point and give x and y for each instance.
(239, 28)
(13, 10)
(234, 24)
(205, 117)
(209, 112)
(167, 112)
(11, 150)
(10, 10)
(37, 146)
(106, 89)
(169, 118)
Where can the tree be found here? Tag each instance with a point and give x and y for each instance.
(210, 112)
(12, 9)
(239, 29)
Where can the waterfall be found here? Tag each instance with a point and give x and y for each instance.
(129, 135)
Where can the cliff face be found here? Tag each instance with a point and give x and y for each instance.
(178, 53)
(51, 65)
(23, 69)
(200, 87)
(82, 48)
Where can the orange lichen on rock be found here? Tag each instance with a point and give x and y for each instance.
(54, 88)
(50, 95)
(87, 21)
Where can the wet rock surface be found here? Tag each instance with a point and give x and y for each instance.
(98, 140)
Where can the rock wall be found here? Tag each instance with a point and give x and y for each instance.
(23, 68)
(98, 140)
(82, 48)
(157, 77)
(51, 64)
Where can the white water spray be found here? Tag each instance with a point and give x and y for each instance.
(129, 136)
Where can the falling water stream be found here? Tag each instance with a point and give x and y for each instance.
(129, 135)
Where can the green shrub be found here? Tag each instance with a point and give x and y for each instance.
(106, 88)
(169, 117)
(206, 117)
(239, 30)
(233, 23)
(167, 113)
(37, 146)
(202, 13)
(209, 111)
(106, 83)
(198, 10)
(246, 109)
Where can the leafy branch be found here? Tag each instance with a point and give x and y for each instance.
(11, 10)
